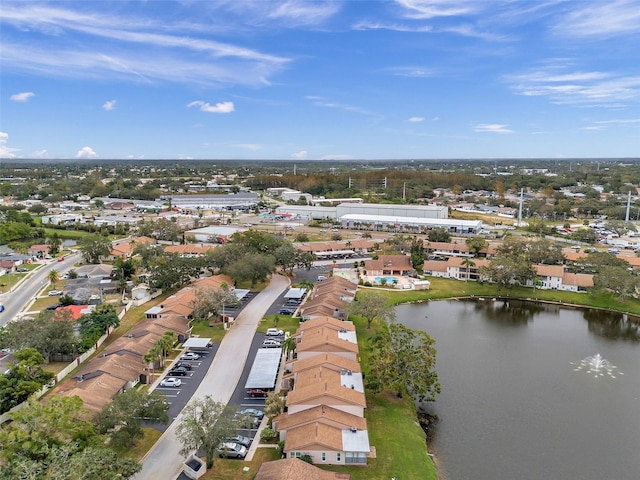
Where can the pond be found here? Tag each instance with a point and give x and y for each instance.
(533, 391)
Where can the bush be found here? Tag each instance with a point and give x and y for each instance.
(307, 458)
(281, 448)
(267, 434)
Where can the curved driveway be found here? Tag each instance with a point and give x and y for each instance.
(164, 460)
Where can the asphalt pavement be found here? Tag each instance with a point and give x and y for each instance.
(164, 461)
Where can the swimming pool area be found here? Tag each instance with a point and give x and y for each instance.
(387, 280)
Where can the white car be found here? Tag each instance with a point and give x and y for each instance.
(270, 343)
(55, 293)
(274, 332)
(190, 356)
(232, 450)
(171, 382)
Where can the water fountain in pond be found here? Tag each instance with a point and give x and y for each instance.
(597, 365)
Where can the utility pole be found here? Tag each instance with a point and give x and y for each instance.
(626, 218)
(520, 207)
(404, 192)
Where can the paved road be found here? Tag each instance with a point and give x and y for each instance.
(164, 461)
(21, 295)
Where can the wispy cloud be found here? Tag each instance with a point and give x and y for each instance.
(300, 13)
(594, 128)
(592, 19)
(5, 150)
(221, 107)
(248, 146)
(492, 128)
(131, 47)
(321, 102)
(396, 27)
(21, 97)
(415, 72)
(301, 155)
(86, 152)
(624, 121)
(416, 119)
(593, 88)
(425, 9)
(109, 105)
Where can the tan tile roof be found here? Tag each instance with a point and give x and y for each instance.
(328, 322)
(435, 266)
(329, 360)
(574, 256)
(315, 375)
(447, 246)
(95, 392)
(331, 300)
(326, 393)
(317, 310)
(549, 270)
(578, 279)
(314, 436)
(325, 340)
(175, 323)
(457, 262)
(138, 342)
(295, 469)
(394, 262)
(124, 367)
(322, 414)
(215, 281)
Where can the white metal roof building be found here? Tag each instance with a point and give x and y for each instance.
(450, 224)
(264, 370)
(403, 211)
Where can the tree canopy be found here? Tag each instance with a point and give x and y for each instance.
(371, 306)
(404, 359)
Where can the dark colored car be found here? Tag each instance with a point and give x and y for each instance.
(186, 365)
(257, 392)
(54, 306)
(178, 372)
(286, 311)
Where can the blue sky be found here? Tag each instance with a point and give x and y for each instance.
(405, 79)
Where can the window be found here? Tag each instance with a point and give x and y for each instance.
(295, 454)
(324, 457)
(338, 456)
(355, 457)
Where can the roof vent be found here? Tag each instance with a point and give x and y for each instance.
(343, 372)
(349, 372)
(80, 378)
(354, 429)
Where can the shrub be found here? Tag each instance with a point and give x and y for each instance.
(267, 434)
(307, 458)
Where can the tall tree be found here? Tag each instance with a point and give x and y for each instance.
(93, 247)
(122, 418)
(404, 359)
(204, 424)
(54, 440)
(210, 301)
(467, 263)
(372, 306)
(476, 244)
(23, 379)
(54, 277)
(54, 244)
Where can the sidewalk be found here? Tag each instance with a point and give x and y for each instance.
(164, 461)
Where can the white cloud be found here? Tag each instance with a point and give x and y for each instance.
(620, 121)
(109, 105)
(592, 19)
(492, 128)
(221, 107)
(22, 97)
(133, 47)
(426, 9)
(5, 151)
(301, 155)
(416, 119)
(336, 157)
(86, 152)
(391, 26)
(594, 128)
(304, 13)
(40, 154)
(414, 72)
(593, 88)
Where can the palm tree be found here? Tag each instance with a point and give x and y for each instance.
(467, 263)
(166, 343)
(153, 356)
(307, 284)
(289, 346)
(54, 276)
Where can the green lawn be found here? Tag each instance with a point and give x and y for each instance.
(442, 288)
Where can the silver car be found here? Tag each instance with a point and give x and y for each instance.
(231, 450)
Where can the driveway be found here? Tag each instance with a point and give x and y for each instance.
(164, 460)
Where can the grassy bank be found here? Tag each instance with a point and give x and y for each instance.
(442, 288)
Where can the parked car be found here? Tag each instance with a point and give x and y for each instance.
(171, 382)
(253, 412)
(61, 259)
(22, 270)
(270, 343)
(1, 308)
(186, 365)
(51, 307)
(240, 439)
(257, 392)
(178, 372)
(55, 293)
(274, 332)
(286, 311)
(231, 450)
(190, 356)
